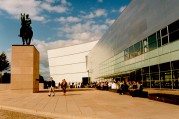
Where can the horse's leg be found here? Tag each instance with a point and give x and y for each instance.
(27, 43)
(30, 40)
(23, 41)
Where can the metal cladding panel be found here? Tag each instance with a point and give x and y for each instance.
(69, 62)
(139, 20)
(69, 50)
(69, 59)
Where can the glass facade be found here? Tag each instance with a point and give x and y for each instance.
(153, 41)
(144, 50)
(156, 75)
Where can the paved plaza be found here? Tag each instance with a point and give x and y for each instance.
(87, 104)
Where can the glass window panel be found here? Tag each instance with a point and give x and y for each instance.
(138, 72)
(155, 83)
(158, 35)
(138, 48)
(176, 84)
(165, 66)
(159, 42)
(174, 36)
(131, 49)
(154, 68)
(174, 26)
(165, 78)
(152, 46)
(145, 70)
(131, 52)
(146, 80)
(132, 76)
(138, 75)
(164, 31)
(175, 65)
(164, 40)
(126, 51)
(152, 38)
(175, 78)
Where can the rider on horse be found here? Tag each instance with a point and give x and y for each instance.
(26, 29)
(25, 24)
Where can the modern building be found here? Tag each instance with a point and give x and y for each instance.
(69, 62)
(141, 45)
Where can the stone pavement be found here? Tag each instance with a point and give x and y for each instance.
(88, 104)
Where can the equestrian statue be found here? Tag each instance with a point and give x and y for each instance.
(26, 32)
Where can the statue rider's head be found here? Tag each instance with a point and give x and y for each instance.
(27, 15)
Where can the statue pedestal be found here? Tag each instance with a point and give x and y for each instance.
(25, 68)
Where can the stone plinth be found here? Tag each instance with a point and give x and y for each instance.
(25, 68)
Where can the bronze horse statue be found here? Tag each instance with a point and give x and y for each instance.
(26, 31)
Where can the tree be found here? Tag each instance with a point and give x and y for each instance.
(6, 78)
(41, 79)
(4, 63)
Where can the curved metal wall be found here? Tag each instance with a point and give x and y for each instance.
(139, 20)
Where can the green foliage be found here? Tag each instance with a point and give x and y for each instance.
(4, 63)
(41, 79)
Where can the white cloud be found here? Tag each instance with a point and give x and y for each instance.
(50, 1)
(83, 32)
(100, 12)
(64, 2)
(69, 19)
(114, 10)
(122, 8)
(96, 13)
(16, 7)
(48, 7)
(32, 7)
(110, 21)
(100, 1)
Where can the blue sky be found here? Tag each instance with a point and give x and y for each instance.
(57, 23)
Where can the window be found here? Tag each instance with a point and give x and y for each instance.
(159, 39)
(168, 34)
(146, 77)
(173, 27)
(131, 52)
(152, 42)
(138, 48)
(174, 31)
(145, 70)
(126, 54)
(174, 36)
(154, 70)
(164, 33)
(165, 75)
(164, 40)
(175, 74)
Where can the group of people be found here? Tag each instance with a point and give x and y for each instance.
(121, 86)
(51, 86)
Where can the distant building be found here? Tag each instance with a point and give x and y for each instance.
(141, 45)
(69, 62)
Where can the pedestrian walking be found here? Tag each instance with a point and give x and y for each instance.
(64, 86)
(51, 87)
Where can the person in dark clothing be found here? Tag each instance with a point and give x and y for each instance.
(64, 86)
(51, 87)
